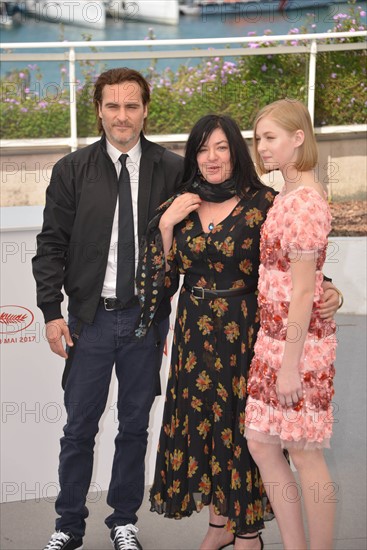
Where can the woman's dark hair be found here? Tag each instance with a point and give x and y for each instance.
(244, 173)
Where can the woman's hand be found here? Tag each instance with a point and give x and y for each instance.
(289, 386)
(329, 303)
(180, 209)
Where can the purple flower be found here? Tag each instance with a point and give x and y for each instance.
(333, 75)
(362, 13)
(24, 110)
(264, 68)
(21, 75)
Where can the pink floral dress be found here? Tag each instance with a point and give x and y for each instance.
(299, 221)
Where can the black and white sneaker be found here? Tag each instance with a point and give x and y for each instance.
(64, 541)
(123, 537)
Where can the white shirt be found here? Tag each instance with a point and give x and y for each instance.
(133, 166)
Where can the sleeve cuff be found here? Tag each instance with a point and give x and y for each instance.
(51, 311)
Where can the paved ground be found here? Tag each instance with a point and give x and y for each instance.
(27, 525)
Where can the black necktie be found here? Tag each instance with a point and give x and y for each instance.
(126, 245)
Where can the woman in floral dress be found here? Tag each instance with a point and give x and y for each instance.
(211, 235)
(291, 378)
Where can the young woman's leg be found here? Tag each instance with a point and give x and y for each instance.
(283, 492)
(317, 492)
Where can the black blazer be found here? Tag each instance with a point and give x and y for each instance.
(73, 246)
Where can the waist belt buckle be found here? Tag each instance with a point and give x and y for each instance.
(105, 302)
(200, 288)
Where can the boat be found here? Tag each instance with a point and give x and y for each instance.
(243, 7)
(189, 7)
(153, 11)
(9, 14)
(84, 13)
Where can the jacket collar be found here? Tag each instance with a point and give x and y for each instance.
(151, 153)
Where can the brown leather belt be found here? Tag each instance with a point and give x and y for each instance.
(113, 304)
(211, 294)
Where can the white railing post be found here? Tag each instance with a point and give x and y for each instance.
(73, 121)
(312, 80)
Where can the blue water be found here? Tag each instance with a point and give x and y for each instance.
(227, 25)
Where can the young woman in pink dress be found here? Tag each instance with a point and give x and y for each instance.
(290, 383)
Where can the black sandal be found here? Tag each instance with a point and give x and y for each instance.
(252, 537)
(222, 527)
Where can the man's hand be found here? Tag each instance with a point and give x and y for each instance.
(57, 332)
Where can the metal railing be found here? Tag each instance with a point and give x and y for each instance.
(71, 56)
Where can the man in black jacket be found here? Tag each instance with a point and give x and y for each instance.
(88, 245)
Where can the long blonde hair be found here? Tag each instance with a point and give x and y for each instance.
(291, 115)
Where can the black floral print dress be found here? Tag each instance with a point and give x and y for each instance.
(202, 455)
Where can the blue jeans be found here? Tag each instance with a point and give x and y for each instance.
(106, 342)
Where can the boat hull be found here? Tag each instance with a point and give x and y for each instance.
(243, 7)
(84, 13)
(153, 11)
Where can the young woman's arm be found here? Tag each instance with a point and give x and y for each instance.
(303, 270)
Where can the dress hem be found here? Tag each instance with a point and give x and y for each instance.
(160, 510)
(252, 434)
